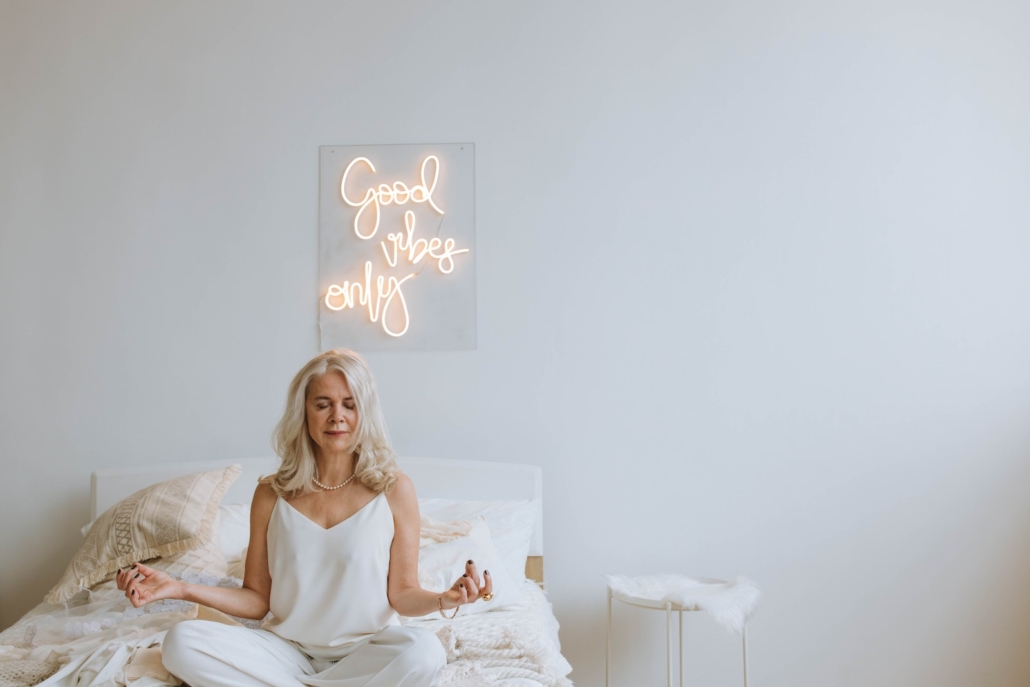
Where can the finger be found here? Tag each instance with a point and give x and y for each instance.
(133, 581)
(124, 577)
(471, 586)
(463, 591)
(146, 569)
(137, 594)
(488, 584)
(125, 574)
(473, 571)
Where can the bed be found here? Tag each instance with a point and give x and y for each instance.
(95, 638)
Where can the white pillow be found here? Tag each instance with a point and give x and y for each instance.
(511, 525)
(441, 564)
(234, 527)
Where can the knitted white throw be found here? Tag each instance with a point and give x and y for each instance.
(731, 604)
(483, 651)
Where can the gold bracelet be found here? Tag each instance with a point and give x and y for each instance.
(454, 615)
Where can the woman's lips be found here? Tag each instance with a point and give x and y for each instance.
(336, 434)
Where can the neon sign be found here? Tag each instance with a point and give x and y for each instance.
(382, 294)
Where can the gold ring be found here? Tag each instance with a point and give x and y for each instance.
(487, 597)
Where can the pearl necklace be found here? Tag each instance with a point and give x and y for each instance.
(341, 484)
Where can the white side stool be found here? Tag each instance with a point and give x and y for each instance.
(668, 607)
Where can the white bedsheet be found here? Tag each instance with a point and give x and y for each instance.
(99, 640)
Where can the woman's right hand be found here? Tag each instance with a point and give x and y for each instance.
(143, 584)
(469, 588)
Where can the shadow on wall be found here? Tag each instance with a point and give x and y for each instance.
(42, 560)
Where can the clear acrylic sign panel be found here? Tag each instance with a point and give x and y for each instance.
(397, 247)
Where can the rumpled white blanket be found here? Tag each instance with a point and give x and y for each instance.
(97, 639)
(731, 604)
(100, 640)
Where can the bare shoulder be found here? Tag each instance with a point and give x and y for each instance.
(264, 488)
(402, 496)
(264, 497)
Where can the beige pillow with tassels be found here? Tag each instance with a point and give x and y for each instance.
(169, 518)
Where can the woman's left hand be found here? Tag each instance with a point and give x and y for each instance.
(470, 587)
(143, 584)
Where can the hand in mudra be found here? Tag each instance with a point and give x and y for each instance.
(143, 584)
(470, 587)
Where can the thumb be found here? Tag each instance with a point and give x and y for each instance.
(146, 569)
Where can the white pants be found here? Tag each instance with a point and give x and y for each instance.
(203, 653)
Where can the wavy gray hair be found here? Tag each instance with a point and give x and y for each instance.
(376, 467)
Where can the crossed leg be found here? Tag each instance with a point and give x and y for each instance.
(203, 653)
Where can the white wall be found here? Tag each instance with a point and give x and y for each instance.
(752, 290)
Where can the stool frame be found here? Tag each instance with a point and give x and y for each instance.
(668, 607)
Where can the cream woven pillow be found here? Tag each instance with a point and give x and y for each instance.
(207, 560)
(172, 517)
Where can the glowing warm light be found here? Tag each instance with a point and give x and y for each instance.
(385, 194)
(343, 184)
(370, 195)
(419, 248)
(364, 297)
(401, 244)
(427, 195)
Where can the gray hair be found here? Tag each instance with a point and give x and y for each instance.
(377, 464)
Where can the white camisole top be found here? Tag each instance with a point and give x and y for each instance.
(329, 585)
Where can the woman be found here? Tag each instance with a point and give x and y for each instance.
(333, 555)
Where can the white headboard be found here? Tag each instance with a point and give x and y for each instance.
(433, 477)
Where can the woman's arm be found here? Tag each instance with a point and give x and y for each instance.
(143, 584)
(406, 595)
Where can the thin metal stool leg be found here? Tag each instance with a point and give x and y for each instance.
(608, 640)
(745, 655)
(681, 647)
(668, 641)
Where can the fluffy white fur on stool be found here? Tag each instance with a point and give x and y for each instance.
(731, 604)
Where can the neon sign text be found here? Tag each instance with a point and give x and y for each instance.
(419, 248)
(358, 294)
(387, 194)
(384, 292)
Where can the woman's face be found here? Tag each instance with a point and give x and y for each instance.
(332, 416)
